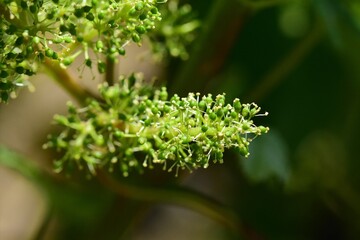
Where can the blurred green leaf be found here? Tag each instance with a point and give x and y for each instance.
(73, 202)
(268, 159)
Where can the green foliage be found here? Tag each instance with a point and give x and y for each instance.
(74, 204)
(297, 59)
(34, 30)
(136, 122)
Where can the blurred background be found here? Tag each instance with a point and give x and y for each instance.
(297, 59)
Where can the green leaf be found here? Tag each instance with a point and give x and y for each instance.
(268, 159)
(73, 202)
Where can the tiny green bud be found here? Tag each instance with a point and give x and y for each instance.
(121, 51)
(173, 149)
(119, 134)
(219, 112)
(202, 104)
(246, 126)
(132, 12)
(67, 61)
(29, 50)
(101, 15)
(80, 38)
(4, 74)
(88, 62)
(19, 69)
(148, 102)
(185, 139)
(245, 111)
(163, 94)
(68, 39)
(55, 56)
(23, 4)
(5, 86)
(147, 122)
(243, 150)
(166, 109)
(49, 52)
(61, 120)
(154, 10)
(219, 155)
(140, 29)
(99, 140)
(154, 110)
(94, 3)
(233, 114)
(142, 140)
(142, 107)
(237, 105)
(63, 28)
(128, 152)
(263, 129)
(139, 6)
(36, 40)
(101, 66)
(212, 116)
(254, 111)
(99, 45)
(50, 15)
(193, 103)
(79, 12)
(142, 17)
(33, 8)
(19, 41)
(191, 122)
(204, 128)
(87, 8)
(90, 17)
(135, 37)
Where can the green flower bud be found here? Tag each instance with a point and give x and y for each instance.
(90, 17)
(139, 6)
(4, 74)
(204, 128)
(135, 37)
(101, 66)
(140, 30)
(237, 105)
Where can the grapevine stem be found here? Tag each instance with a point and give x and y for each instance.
(63, 77)
(109, 73)
(179, 196)
(40, 234)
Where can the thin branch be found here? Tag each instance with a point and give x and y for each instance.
(63, 77)
(179, 196)
(41, 232)
(109, 73)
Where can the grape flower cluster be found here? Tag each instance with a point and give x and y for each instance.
(62, 30)
(138, 127)
(174, 34)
